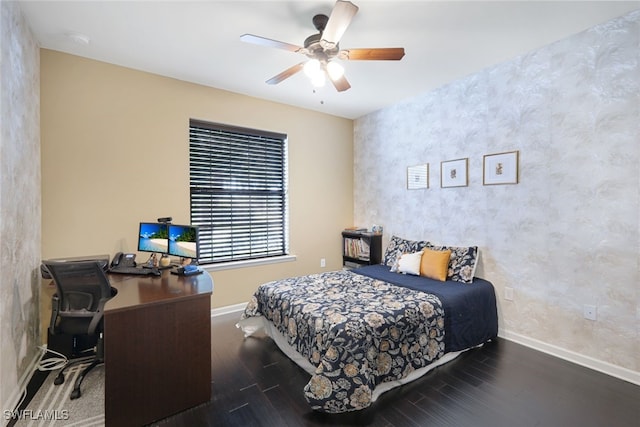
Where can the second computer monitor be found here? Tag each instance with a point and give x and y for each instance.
(153, 237)
(183, 241)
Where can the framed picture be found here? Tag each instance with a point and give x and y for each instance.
(418, 177)
(454, 173)
(500, 168)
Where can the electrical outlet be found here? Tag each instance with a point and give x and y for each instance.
(508, 293)
(590, 312)
(323, 262)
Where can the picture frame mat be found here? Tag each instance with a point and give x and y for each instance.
(418, 176)
(500, 168)
(454, 173)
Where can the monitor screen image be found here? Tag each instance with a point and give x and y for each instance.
(183, 241)
(153, 237)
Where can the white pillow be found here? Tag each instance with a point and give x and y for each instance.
(410, 263)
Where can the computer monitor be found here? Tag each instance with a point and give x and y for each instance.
(184, 241)
(153, 237)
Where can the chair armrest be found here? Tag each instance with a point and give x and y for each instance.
(97, 316)
(55, 308)
(100, 311)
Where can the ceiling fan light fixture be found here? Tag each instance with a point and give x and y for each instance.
(319, 79)
(335, 70)
(312, 68)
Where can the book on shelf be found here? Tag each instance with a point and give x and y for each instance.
(356, 229)
(356, 248)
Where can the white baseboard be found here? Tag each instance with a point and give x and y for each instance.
(21, 388)
(571, 356)
(228, 309)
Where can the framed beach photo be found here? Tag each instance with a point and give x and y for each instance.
(500, 168)
(418, 177)
(454, 173)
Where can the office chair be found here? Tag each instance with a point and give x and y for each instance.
(82, 289)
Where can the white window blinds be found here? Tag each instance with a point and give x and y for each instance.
(238, 185)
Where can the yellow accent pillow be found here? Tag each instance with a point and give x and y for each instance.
(435, 264)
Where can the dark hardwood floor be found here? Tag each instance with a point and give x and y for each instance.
(500, 384)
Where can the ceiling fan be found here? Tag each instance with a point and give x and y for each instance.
(323, 49)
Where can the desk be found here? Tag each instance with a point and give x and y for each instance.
(157, 347)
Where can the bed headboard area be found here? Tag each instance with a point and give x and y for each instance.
(402, 255)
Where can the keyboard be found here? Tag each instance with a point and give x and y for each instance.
(135, 270)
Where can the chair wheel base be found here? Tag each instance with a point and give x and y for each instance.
(59, 379)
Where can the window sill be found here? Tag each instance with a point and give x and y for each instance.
(248, 263)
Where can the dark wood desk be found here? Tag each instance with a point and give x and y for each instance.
(157, 336)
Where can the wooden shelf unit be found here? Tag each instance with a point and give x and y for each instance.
(361, 248)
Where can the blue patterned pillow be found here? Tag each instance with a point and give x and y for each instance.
(395, 265)
(462, 264)
(398, 246)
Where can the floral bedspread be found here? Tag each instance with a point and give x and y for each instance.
(357, 331)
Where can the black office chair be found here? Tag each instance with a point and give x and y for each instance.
(82, 289)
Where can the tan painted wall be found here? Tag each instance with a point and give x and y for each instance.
(115, 152)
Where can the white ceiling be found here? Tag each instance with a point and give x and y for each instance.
(199, 41)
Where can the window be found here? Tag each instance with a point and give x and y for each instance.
(238, 183)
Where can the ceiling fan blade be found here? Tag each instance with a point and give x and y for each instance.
(341, 84)
(263, 41)
(285, 74)
(340, 18)
(373, 54)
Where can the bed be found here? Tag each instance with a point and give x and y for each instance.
(361, 332)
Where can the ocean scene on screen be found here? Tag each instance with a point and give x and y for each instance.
(183, 241)
(153, 238)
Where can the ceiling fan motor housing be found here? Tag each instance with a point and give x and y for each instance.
(317, 50)
(320, 22)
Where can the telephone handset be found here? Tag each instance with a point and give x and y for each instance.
(123, 260)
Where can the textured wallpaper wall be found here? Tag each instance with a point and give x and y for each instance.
(19, 202)
(565, 236)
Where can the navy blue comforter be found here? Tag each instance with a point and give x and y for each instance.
(471, 316)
